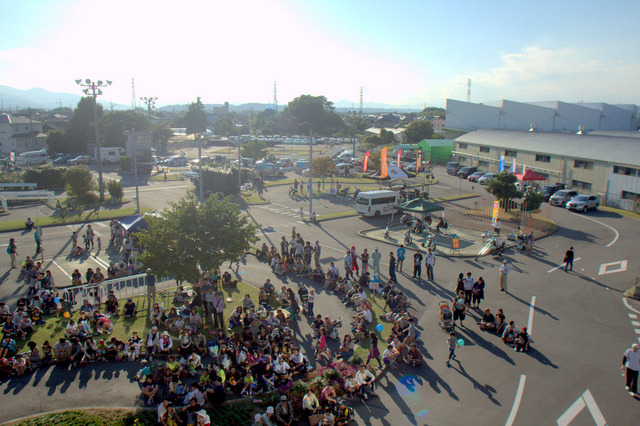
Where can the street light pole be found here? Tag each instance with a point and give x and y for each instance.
(239, 164)
(93, 90)
(200, 139)
(310, 174)
(150, 101)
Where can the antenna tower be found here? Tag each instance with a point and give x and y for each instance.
(360, 100)
(275, 97)
(469, 90)
(133, 95)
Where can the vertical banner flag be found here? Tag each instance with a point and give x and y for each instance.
(501, 164)
(496, 208)
(366, 161)
(513, 170)
(398, 160)
(383, 163)
(418, 160)
(524, 169)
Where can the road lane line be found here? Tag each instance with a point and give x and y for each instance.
(59, 267)
(635, 323)
(562, 265)
(605, 225)
(624, 301)
(531, 311)
(99, 261)
(632, 316)
(516, 402)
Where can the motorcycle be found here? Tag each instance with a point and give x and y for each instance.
(522, 241)
(497, 247)
(387, 230)
(430, 242)
(407, 237)
(355, 193)
(342, 191)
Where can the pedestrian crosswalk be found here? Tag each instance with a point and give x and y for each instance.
(635, 324)
(281, 209)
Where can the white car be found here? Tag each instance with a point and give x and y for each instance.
(583, 203)
(482, 180)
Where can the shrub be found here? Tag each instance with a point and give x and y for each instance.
(81, 184)
(11, 177)
(355, 360)
(125, 164)
(115, 190)
(46, 177)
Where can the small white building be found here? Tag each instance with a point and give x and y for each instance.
(20, 134)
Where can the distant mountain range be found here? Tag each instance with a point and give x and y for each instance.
(12, 99)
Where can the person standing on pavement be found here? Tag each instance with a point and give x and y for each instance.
(354, 260)
(530, 243)
(150, 282)
(348, 264)
(364, 258)
(401, 253)
(468, 286)
(451, 341)
(504, 270)
(430, 262)
(631, 360)
(218, 311)
(392, 268)
(316, 253)
(90, 235)
(496, 227)
(568, 259)
(37, 236)
(375, 258)
(12, 251)
(284, 246)
(417, 265)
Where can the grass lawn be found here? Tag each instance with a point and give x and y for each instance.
(249, 199)
(170, 177)
(627, 213)
(337, 215)
(85, 216)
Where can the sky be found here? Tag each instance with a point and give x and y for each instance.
(407, 53)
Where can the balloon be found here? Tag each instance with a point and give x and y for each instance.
(460, 342)
(242, 272)
(379, 327)
(57, 300)
(66, 315)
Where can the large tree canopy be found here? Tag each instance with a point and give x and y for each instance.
(314, 113)
(502, 186)
(417, 131)
(81, 130)
(113, 125)
(190, 239)
(194, 119)
(253, 149)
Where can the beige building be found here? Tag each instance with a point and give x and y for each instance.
(603, 165)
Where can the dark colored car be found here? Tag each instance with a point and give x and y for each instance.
(62, 159)
(473, 177)
(548, 190)
(466, 171)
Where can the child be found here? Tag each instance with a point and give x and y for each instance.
(452, 347)
(248, 384)
(102, 350)
(121, 354)
(99, 244)
(389, 356)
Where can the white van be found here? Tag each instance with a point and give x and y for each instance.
(111, 155)
(32, 158)
(376, 203)
(344, 169)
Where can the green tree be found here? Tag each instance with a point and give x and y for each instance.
(434, 112)
(374, 161)
(388, 138)
(225, 126)
(533, 200)
(190, 238)
(195, 118)
(315, 113)
(114, 124)
(502, 186)
(81, 131)
(373, 140)
(114, 187)
(322, 166)
(253, 149)
(58, 141)
(80, 183)
(162, 133)
(417, 131)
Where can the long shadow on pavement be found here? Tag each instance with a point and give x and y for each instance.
(483, 343)
(485, 389)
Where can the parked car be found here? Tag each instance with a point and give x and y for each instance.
(548, 190)
(464, 172)
(583, 203)
(452, 167)
(62, 159)
(176, 160)
(220, 159)
(473, 177)
(81, 159)
(562, 197)
(205, 160)
(268, 169)
(482, 180)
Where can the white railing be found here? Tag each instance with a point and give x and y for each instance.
(27, 195)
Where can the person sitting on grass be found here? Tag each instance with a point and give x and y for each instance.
(165, 344)
(111, 305)
(7, 347)
(71, 329)
(389, 357)
(130, 309)
(103, 325)
(235, 319)
(169, 321)
(176, 368)
(149, 390)
(62, 350)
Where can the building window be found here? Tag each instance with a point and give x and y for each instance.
(627, 195)
(483, 165)
(627, 171)
(543, 158)
(581, 185)
(579, 164)
(485, 149)
(462, 146)
(508, 153)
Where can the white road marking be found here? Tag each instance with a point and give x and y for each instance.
(637, 331)
(632, 316)
(635, 323)
(99, 261)
(562, 265)
(101, 224)
(626, 303)
(59, 267)
(621, 268)
(605, 225)
(516, 402)
(585, 400)
(155, 189)
(531, 311)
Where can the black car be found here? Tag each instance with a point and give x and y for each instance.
(548, 190)
(62, 159)
(466, 171)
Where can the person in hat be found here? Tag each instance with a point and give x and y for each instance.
(284, 411)
(203, 418)
(268, 418)
(153, 338)
(504, 270)
(165, 344)
(257, 420)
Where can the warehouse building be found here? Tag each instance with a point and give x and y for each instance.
(606, 164)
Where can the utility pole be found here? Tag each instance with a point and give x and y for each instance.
(310, 173)
(93, 89)
(200, 137)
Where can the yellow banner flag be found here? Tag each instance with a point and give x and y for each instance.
(496, 209)
(383, 163)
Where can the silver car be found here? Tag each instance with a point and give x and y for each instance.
(562, 197)
(583, 203)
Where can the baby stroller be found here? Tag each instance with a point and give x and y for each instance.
(446, 317)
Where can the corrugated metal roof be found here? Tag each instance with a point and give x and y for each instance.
(610, 149)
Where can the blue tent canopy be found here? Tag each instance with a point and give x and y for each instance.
(133, 223)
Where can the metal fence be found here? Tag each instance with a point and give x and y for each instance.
(124, 287)
(477, 214)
